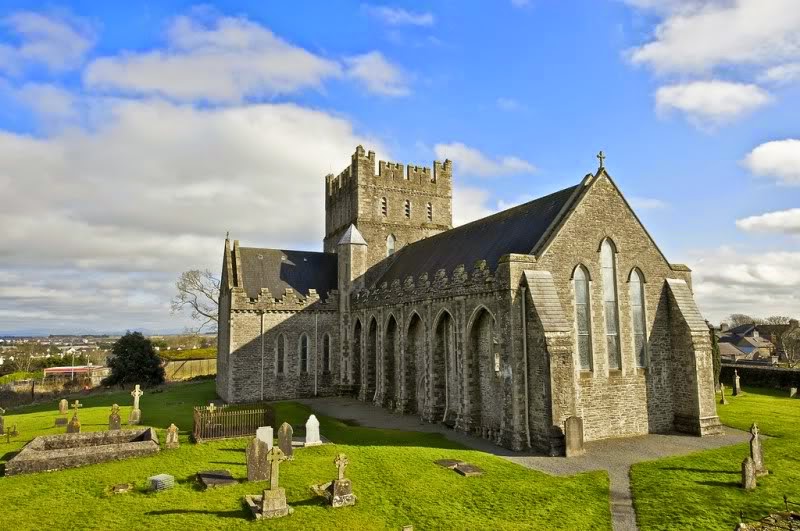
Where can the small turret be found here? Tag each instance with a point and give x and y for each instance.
(352, 252)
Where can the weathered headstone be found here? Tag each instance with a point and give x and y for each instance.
(264, 433)
(573, 436)
(272, 502)
(342, 489)
(172, 436)
(136, 414)
(114, 422)
(285, 433)
(258, 467)
(748, 474)
(756, 452)
(312, 432)
(793, 392)
(737, 388)
(63, 406)
(74, 425)
(722, 399)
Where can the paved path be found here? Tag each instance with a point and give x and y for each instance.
(613, 455)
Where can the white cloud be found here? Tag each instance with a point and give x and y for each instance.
(49, 101)
(470, 204)
(711, 102)
(59, 44)
(782, 74)
(224, 60)
(781, 221)
(699, 35)
(728, 280)
(779, 159)
(470, 161)
(377, 74)
(397, 16)
(509, 104)
(646, 203)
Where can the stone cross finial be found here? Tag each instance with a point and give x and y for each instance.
(211, 408)
(341, 463)
(601, 157)
(76, 405)
(274, 456)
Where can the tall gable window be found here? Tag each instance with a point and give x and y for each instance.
(303, 353)
(280, 354)
(430, 212)
(583, 318)
(609, 267)
(408, 208)
(390, 243)
(384, 206)
(326, 353)
(636, 294)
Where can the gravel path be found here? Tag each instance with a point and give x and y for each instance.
(613, 455)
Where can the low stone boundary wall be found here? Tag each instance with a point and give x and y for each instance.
(70, 450)
(753, 375)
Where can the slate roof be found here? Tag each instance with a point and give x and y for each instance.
(277, 269)
(730, 351)
(516, 230)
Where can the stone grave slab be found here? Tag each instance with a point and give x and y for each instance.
(448, 463)
(61, 421)
(215, 478)
(161, 482)
(466, 469)
(122, 488)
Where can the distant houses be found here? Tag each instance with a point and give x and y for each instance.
(753, 343)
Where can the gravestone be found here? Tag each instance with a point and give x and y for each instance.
(215, 478)
(114, 422)
(737, 388)
(756, 453)
(258, 467)
(172, 436)
(793, 392)
(748, 474)
(161, 482)
(63, 406)
(448, 463)
(722, 399)
(573, 436)
(272, 502)
(285, 440)
(466, 469)
(2, 421)
(136, 414)
(312, 432)
(122, 488)
(264, 433)
(342, 489)
(74, 425)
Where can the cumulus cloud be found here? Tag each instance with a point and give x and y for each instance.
(377, 74)
(782, 74)
(711, 102)
(471, 161)
(57, 43)
(700, 35)
(781, 221)
(646, 203)
(397, 16)
(779, 159)
(48, 101)
(729, 280)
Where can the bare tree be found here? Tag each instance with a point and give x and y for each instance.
(738, 319)
(199, 292)
(777, 320)
(791, 346)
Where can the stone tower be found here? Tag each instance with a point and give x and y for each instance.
(391, 208)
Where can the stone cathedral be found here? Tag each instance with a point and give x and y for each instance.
(504, 327)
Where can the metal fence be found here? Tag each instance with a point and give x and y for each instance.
(185, 369)
(226, 422)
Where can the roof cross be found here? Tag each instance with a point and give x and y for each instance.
(601, 157)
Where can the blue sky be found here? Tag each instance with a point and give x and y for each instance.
(132, 135)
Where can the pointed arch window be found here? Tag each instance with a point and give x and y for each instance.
(636, 294)
(326, 353)
(280, 354)
(583, 318)
(303, 347)
(609, 267)
(390, 245)
(384, 207)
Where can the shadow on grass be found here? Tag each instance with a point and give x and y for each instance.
(226, 463)
(240, 450)
(220, 514)
(702, 470)
(734, 484)
(313, 501)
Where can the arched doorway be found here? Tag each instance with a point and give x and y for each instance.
(413, 384)
(390, 348)
(482, 368)
(444, 377)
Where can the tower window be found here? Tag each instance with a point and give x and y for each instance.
(430, 212)
(390, 243)
(384, 208)
(408, 208)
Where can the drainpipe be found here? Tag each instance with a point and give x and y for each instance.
(316, 351)
(262, 355)
(525, 359)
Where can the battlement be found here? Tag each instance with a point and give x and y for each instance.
(362, 171)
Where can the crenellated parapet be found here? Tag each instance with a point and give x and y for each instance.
(290, 301)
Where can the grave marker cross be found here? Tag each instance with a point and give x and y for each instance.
(274, 456)
(76, 405)
(136, 393)
(341, 463)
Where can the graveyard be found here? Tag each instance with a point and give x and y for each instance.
(393, 476)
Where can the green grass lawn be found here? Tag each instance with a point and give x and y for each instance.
(392, 472)
(189, 354)
(702, 491)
